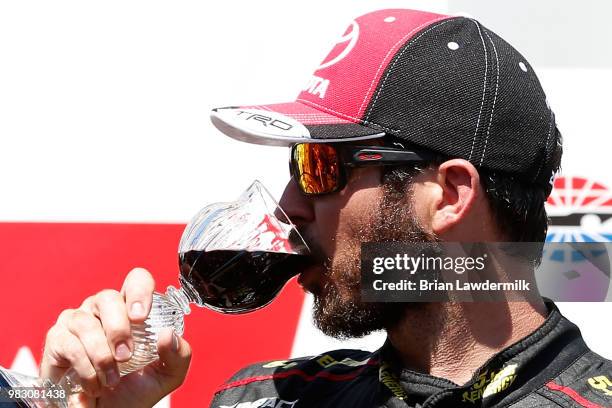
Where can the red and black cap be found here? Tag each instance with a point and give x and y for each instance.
(440, 82)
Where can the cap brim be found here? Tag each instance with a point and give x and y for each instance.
(284, 124)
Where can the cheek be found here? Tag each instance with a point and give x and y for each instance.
(359, 217)
(420, 206)
(347, 217)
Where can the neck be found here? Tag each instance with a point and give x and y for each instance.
(453, 340)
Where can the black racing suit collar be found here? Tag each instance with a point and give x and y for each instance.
(506, 377)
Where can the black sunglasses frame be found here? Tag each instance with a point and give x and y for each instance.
(362, 156)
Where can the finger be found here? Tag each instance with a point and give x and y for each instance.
(112, 312)
(81, 400)
(64, 354)
(138, 291)
(52, 365)
(89, 305)
(64, 317)
(174, 358)
(88, 329)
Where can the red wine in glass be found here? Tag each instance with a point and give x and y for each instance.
(237, 281)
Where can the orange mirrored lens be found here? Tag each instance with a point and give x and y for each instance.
(317, 167)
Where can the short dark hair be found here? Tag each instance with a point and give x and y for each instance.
(517, 205)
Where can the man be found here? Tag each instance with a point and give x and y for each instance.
(417, 127)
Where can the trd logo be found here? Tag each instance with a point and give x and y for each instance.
(265, 120)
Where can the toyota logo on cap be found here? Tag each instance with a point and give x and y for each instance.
(343, 46)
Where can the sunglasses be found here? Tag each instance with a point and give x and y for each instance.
(322, 168)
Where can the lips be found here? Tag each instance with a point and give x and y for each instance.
(312, 271)
(310, 277)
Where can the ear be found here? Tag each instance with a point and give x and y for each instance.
(459, 187)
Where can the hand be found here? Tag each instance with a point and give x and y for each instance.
(95, 337)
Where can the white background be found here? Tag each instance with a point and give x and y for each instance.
(104, 107)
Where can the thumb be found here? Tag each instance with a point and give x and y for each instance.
(174, 357)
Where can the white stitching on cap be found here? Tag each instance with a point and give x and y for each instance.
(484, 88)
(484, 149)
(401, 41)
(550, 128)
(365, 122)
(380, 89)
(313, 104)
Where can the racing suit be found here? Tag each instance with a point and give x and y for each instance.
(552, 367)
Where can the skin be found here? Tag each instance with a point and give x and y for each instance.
(93, 339)
(450, 340)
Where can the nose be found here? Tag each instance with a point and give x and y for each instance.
(297, 206)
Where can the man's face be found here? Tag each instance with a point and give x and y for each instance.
(334, 226)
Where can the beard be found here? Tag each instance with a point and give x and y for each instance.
(338, 309)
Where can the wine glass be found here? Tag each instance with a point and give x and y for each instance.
(234, 257)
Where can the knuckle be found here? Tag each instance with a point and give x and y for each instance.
(103, 358)
(90, 375)
(81, 322)
(65, 315)
(116, 333)
(52, 347)
(88, 302)
(107, 295)
(51, 335)
(72, 352)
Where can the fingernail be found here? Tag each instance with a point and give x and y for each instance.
(175, 342)
(137, 310)
(122, 352)
(112, 378)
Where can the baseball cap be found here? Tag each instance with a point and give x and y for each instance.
(445, 83)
